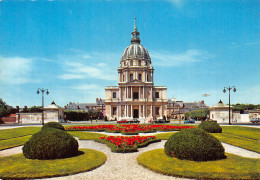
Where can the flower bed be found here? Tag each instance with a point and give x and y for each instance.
(121, 144)
(128, 129)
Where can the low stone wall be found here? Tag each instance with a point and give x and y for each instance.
(8, 120)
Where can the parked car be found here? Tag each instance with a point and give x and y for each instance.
(189, 121)
(160, 121)
(255, 120)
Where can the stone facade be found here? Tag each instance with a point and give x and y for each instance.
(135, 97)
(51, 113)
(220, 112)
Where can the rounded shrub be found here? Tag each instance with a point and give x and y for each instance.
(194, 144)
(210, 126)
(50, 144)
(55, 125)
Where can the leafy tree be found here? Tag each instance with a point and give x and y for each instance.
(4, 111)
(198, 114)
(35, 109)
(25, 109)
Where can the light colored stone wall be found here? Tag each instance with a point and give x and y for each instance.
(49, 115)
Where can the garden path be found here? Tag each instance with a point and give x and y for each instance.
(125, 166)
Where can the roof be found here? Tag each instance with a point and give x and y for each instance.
(220, 105)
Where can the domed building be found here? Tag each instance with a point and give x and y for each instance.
(135, 97)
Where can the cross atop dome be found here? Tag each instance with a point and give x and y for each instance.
(135, 35)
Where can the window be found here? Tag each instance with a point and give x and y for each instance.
(140, 77)
(131, 77)
(123, 78)
(135, 95)
(139, 63)
(157, 110)
(147, 77)
(131, 63)
(157, 95)
(114, 94)
(114, 110)
(146, 63)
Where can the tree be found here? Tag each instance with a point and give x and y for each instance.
(198, 114)
(35, 109)
(4, 111)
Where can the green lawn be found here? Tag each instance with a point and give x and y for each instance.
(233, 167)
(17, 166)
(10, 143)
(246, 132)
(18, 132)
(86, 135)
(249, 144)
(164, 136)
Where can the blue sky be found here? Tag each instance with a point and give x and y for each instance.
(73, 48)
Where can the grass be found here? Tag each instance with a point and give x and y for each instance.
(18, 132)
(86, 135)
(249, 144)
(17, 166)
(246, 132)
(164, 136)
(10, 143)
(233, 167)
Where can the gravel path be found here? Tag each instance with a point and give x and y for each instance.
(121, 166)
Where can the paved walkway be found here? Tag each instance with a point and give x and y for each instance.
(121, 166)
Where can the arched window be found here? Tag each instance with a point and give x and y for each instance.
(139, 63)
(131, 63)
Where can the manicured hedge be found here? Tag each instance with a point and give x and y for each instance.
(210, 126)
(195, 145)
(50, 143)
(54, 125)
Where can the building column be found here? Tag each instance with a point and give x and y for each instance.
(144, 110)
(139, 92)
(127, 94)
(152, 110)
(111, 111)
(131, 111)
(131, 92)
(152, 93)
(161, 111)
(126, 76)
(120, 96)
(125, 111)
(140, 111)
(120, 112)
(117, 112)
(143, 92)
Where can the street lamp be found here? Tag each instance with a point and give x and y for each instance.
(224, 90)
(38, 92)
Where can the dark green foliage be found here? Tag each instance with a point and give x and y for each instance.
(55, 125)
(243, 107)
(198, 114)
(35, 109)
(50, 143)
(210, 126)
(194, 144)
(4, 111)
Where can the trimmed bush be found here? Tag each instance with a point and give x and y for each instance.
(210, 126)
(194, 144)
(55, 125)
(50, 144)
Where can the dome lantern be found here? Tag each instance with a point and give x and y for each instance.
(135, 35)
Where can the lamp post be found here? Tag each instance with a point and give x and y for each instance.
(38, 92)
(224, 90)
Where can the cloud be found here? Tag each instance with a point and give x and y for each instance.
(177, 59)
(16, 70)
(89, 65)
(177, 3)
(87, 87)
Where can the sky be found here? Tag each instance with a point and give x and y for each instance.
(73, 48)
